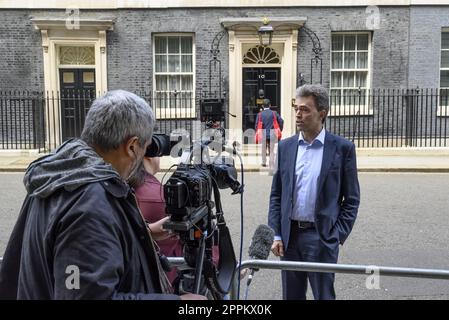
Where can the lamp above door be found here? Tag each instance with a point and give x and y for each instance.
(265, 32)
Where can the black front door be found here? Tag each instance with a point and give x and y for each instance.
(254, 79)
(77, 92)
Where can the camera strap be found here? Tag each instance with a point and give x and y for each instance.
(227, 262)
(220, 280)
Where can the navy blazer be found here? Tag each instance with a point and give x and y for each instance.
(338, 193)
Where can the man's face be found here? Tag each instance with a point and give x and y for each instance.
(308, 118)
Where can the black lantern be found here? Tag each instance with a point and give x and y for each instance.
(265, 33)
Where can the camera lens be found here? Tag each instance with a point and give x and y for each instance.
(160, 146)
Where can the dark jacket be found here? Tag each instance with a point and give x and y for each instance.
(79, 217)
(267, 121)
(338, 193)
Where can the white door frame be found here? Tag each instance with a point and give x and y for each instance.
(244, 31)
(55, 33)
(288, 67)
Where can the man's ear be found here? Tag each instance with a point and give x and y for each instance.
(323, 114)
(131, 146)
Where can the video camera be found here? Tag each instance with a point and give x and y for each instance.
(188, 195)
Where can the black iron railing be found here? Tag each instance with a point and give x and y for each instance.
(391, 117)
(22, 118)
(371, 118)
(38, 120)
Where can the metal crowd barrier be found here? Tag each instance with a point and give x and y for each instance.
(348, 268)
(342, 268)
(326, 267)
(332, 268)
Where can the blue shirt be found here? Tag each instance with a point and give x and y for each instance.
(307, 172)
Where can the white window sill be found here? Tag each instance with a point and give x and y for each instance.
(443, 111)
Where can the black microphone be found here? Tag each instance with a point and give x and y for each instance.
(260, 246)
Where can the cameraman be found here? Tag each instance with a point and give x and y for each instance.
(80, 234)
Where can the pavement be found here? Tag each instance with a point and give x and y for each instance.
(405, 159)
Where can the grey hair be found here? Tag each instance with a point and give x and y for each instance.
(116, 117)
(318, 92)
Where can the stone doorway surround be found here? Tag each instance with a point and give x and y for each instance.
(243, 32)
(57, 32)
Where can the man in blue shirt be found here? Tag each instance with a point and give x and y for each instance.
(314, 197)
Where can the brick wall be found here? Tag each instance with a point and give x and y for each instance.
(405, 46)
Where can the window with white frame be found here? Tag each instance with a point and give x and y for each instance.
(350, 69)
(173, 83)
(444, 73)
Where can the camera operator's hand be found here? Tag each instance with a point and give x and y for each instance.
(278, 248)
(192, 296)
(158, 232)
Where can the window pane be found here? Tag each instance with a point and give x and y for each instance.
(444, 79)
(445, 40)
(68, 77)
(362, 42)
(160, 45)
(182, 100)
(186, 99)
(186, 44)
(174, 83)
(173, 44)
(162, 99)
(187, 83)
(335, 79)
(337, 42)
(158, 99)
(173, 63)
(337, 60)
(186, 63)
(360, 79)
(444, 59)
(349, 42)
(161, 63)
(161, 83)
(444, 97)
(362, 60)
(349, 60)
(335, 97)
(359, 98)
(88, 77)
(349, 97)
(348, 79)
